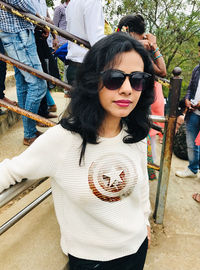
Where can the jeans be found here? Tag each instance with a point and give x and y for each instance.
(192, 129)
(131, 262)
(50, 101)
(30, 89)
(2, 72)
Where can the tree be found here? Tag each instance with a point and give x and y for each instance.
(175, 24)
(50, 3)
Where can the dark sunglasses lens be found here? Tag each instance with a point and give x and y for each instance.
(113, 80)
(138, 80)
(137, 83)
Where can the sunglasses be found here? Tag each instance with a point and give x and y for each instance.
(113, 79)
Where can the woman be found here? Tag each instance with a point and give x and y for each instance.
(97, 159)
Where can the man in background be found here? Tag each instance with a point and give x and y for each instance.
(60, 19)
(85, 19)
(192, 120)
(19, 42)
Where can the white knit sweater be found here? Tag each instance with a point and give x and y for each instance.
(103, 206)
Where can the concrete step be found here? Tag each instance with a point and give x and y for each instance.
(7, 120)
(10, 78)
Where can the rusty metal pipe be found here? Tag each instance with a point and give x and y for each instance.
(28, 114)
(34, 71)
(163, 81)
(167, 147)
(43, 24)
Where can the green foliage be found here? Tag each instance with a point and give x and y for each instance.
(174, 22)
(50, 3)
(61, 70)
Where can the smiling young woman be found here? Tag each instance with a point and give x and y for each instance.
(99, 175)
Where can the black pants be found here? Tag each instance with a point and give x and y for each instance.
(131, 262)
(49, 66)
(2, 72)
(71, 71)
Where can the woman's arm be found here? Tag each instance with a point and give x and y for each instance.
(38, 160)
(158, 60)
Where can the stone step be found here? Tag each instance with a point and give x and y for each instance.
(7, 120)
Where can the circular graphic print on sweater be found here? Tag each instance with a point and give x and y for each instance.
(112, 178)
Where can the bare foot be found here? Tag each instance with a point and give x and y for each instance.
(11, 102)
(196, 197)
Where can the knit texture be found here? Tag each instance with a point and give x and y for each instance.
(103, 206)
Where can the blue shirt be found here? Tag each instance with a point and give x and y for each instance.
(11, 23)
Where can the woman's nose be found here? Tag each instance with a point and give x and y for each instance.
(126, 88)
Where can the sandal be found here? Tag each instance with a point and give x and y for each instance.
(196, 197)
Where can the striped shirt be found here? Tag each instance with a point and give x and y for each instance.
(14, 24)
(60, 20)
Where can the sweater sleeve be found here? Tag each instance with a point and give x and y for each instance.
(145, 184)
(38, 160)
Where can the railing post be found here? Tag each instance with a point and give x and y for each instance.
(167, 147)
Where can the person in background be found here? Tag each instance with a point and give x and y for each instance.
(196, 196)
(98, 168)
(136, 27)
(85, 19)
(192, 121)
(19, 43)
(47, 60)
(60, 19)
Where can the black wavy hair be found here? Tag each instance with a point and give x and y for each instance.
(135, 23)
(85, 113)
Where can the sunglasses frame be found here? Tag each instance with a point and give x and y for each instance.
(145, 76)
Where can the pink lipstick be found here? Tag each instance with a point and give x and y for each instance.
(123, 103)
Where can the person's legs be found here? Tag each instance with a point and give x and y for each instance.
(153, 147)
(2, 73)
(71, 73)
(50, 101)
(21, 46)
(45, 55)
(192, 129)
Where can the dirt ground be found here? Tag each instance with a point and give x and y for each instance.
(33, 243)
(175, 244)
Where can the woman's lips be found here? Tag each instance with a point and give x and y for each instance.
(122, 103)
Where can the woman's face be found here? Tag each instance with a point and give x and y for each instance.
(120, 102)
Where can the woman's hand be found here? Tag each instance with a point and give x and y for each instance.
(149, 235)
(152, 41)
(146, 44)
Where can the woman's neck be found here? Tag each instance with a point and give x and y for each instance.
(110, 128)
